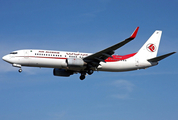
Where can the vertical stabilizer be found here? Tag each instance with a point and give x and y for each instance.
(150, 48)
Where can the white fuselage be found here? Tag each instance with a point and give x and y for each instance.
(68, 63)
(57, 59)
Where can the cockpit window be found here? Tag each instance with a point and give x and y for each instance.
(13, 53)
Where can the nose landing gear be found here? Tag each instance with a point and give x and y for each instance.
(17, 65)
(20, 70)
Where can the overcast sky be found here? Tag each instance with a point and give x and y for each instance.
(88, 26)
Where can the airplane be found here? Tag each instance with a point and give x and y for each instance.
(67, 63)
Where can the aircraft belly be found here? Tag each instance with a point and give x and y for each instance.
(123, 66)
(50, 63)
(117, 66)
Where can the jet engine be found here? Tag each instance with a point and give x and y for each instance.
(62, 72)
(75, 62)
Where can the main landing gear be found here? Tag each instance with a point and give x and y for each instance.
(82, 77)
(83, 74)
(90, 71)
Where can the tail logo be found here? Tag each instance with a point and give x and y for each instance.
(151, 47)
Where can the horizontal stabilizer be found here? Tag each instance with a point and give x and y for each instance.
(156, 59)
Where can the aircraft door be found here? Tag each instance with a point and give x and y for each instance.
(137, 62)
(26, 57)
(26, 54)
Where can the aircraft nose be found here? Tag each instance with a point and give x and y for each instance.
(5, 58)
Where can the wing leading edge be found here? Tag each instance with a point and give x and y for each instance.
(102, 55)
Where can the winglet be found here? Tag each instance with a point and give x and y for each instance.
(134, 33)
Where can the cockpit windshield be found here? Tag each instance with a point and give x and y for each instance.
(13, 53)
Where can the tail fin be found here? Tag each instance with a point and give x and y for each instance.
(150, 48)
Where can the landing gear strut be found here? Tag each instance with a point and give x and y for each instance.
(17, 65)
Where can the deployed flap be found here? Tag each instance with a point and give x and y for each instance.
(104, 54)
(156, 59)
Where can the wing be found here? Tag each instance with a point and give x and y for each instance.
(102, 55)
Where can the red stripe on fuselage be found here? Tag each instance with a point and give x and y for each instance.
(114, 58)
(119, 57)
(42, 57)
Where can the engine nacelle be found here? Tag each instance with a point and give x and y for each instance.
(62, 72)
(75, 62)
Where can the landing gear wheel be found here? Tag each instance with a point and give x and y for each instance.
(20, 70)
(82, 77)
(90, 71)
